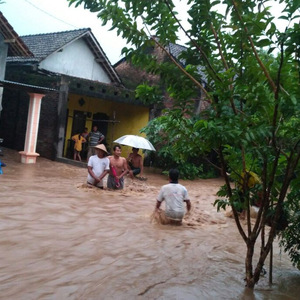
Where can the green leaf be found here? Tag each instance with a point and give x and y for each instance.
(264, 43)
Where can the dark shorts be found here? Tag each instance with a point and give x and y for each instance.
(136, 171)
(111, 183)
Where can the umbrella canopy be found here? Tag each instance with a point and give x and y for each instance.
(135, 141)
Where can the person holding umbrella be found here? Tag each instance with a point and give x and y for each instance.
(135, 163)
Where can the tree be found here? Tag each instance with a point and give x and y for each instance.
(253, 120)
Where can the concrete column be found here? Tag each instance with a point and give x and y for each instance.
(28, 156)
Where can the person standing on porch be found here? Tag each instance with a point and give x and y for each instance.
(78, 139)
(95, 138)
(85, 133)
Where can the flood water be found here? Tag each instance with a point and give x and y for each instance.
(62, 240)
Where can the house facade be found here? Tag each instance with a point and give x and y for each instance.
(10, 44)
(132, 76)
(84, 90)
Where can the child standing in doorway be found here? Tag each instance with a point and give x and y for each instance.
(78, 139)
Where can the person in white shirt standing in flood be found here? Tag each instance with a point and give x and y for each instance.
(175, 196)
(98, 166)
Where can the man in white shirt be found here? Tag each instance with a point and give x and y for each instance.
(98, 166)
(175, 196)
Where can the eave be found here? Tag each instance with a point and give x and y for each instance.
(16, 46)
(26, 87)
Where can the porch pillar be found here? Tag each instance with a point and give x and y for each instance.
(28, 156)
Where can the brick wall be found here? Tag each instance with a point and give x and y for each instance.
(47, 135)
(13, 122)
(14, 118)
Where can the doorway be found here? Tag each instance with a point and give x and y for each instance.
(101, 121)
(79, 118)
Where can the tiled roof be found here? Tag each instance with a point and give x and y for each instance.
(42, 45)
(16, 45)
(175, 50)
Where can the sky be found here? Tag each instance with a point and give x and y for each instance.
(45, 16)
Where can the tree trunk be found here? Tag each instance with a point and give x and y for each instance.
(248, 263)
(253, 278)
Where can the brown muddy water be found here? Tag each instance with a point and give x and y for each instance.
(62, 240)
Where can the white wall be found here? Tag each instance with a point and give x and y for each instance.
(77, 60)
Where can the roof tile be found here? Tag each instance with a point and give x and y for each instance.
(42, 45)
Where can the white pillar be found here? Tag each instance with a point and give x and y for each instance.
(28, 156)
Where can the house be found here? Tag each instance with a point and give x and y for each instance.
(84, 90)
(132, 76)
(10, 45)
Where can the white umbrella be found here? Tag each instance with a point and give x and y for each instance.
(135, 141)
